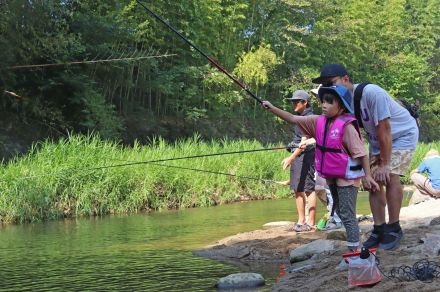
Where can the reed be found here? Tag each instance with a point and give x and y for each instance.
(54, 179)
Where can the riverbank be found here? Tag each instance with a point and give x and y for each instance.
(273, 245)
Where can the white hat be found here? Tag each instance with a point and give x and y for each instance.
(315, 90)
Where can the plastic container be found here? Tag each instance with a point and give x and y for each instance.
(362, 268)
(321, 224)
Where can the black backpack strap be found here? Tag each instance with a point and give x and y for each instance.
(357, 102)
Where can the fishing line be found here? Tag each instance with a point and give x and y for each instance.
(422, 270)
(89, 62)
(210, 59)
(152, 161)
(217, 172)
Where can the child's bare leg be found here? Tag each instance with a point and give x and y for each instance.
(300, 198)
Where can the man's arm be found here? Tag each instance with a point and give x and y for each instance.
(382, 174)
(288, 161)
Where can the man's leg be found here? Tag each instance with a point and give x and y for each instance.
(377, 205)
(311, 202)
(394, 194)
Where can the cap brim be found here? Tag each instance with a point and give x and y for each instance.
(323, 90)
(319, 80)
(295, 98)
(322, 79)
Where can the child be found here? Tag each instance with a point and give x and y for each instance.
(340, 154)
(323, 193)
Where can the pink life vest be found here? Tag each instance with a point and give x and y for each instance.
(331, 161)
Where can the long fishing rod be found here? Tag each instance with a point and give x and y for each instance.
(217, 172)
(210, 59)
(154, 161)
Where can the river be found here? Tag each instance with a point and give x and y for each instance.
(141, 252)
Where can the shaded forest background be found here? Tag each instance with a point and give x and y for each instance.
(166, 89)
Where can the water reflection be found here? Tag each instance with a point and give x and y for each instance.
(147, 252)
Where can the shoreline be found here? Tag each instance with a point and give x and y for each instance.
(273, 246)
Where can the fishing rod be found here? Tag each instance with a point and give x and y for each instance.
(217, 172)
(155, 161)
(210, 59)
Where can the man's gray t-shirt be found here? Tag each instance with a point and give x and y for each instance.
(377, 105)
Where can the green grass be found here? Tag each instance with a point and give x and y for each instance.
(54, 179)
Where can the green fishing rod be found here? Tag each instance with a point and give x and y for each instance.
(209, 58)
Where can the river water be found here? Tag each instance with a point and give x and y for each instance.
(142, 252)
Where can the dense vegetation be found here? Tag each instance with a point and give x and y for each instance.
(168, 90)
(57, 180)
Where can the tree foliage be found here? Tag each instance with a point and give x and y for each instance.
(273, 46)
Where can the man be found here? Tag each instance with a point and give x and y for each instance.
(429, 186)
(302, 169)
(392, 134)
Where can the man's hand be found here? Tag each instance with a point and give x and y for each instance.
(369, 184)
(287, 162)
(382, 174)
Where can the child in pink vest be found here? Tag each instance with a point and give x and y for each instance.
(340, 157)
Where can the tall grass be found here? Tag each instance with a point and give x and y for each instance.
(54, 180)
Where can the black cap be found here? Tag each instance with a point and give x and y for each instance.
(330, 70)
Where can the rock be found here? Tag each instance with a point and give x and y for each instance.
(243, 252)
(366, 218)
(338, 234)
(431, 247)
(299, 269)
(417, 197)
(365, 228)
(409, 188)
(305, 252)
(277, 224)
(435, 221)
(240, 281)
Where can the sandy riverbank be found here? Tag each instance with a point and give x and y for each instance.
(274, 245)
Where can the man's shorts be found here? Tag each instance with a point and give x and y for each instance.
(400, 161)
(302, 173)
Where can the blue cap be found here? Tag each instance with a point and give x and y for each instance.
(341, 91)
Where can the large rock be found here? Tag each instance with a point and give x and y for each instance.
(337, 234)
(240, 281)
(277, 224)
(319, 246)
(435, 221)
(417, 197)
(431, 246)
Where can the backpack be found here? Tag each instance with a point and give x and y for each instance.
(411, 108)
